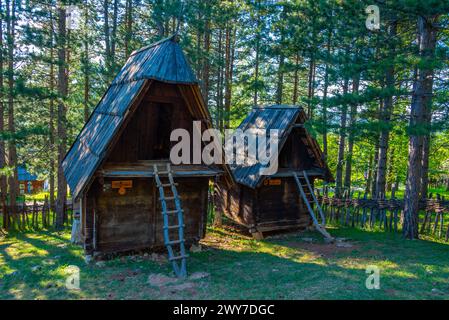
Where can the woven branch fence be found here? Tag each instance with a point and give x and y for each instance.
(35, 216)
(385, 213)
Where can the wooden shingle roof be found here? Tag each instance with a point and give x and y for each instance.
(163, 61)
(277, 117)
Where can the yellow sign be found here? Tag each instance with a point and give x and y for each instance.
(272, 182)
(122, 186)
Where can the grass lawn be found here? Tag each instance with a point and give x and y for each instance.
(233, 266)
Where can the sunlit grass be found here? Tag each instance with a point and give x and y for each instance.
(34, 266)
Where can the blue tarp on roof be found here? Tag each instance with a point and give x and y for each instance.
(163, 61)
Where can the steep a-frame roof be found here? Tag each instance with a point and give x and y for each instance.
(163, 61)
(281, 118)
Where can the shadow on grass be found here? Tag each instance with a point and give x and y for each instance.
(35, 263)
(247, 269)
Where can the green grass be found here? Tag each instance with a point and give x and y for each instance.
(441, 191)
(280, 267)
(40, 197)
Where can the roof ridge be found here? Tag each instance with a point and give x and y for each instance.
(154, 44)
(277, 106)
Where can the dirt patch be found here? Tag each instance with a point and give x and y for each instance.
(159, 280)
(198, 275)
(171, 286)
(325, 249)
(121, 276)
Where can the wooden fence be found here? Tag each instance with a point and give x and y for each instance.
(384, 213)
(33, 216)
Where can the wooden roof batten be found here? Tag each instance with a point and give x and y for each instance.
(162, 61)
(284, 118)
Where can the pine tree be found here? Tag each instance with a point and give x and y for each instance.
(421, 103)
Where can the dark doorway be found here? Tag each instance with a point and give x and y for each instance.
(162, 144)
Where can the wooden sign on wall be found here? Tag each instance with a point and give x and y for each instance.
(272, 182)
(122, 185)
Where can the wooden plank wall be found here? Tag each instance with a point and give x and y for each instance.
(280, 203)
(267, 206)
(134, 221)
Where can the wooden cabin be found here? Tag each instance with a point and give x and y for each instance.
(269, 203)
(110, 166)
(28, 182)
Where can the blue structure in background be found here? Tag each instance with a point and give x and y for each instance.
(28, 182)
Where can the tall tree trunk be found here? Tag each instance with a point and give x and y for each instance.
(129, 27)
(230, 38)
(62, 137)
(280, 82)
(311, 87)
(3, 182)
(425, 157)
(114, 38)
(257, 66)
(370, 173)
(52, 115)
(256, 76)
(375, 163)
(108, 39)
(325, 93)
(421, 102)
(12, 151)
(390, 170)
(206, 63)
(385, 115)
(157, 16)
(86, 65)
(341, 143)
(280, 75)
(352, 122)
(219, 94)
(199, 42)
(296, 79)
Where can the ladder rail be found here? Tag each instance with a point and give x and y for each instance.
(319, 228)
(315, 200)
(304, 197)
(180, 270)
(180, 216)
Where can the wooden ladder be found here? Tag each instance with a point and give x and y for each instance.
(169, 214)
(320, 227)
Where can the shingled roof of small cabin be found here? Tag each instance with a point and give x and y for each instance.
(163, 61)
(282, 118)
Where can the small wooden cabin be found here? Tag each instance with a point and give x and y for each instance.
(109, 167)
(29, 183)
(268, 203)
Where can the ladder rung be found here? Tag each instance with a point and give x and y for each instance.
(174, 242)
(174, 227)
(172, 211)
(162, 172)
(179, 257)
(167, 198)
(167, 185)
